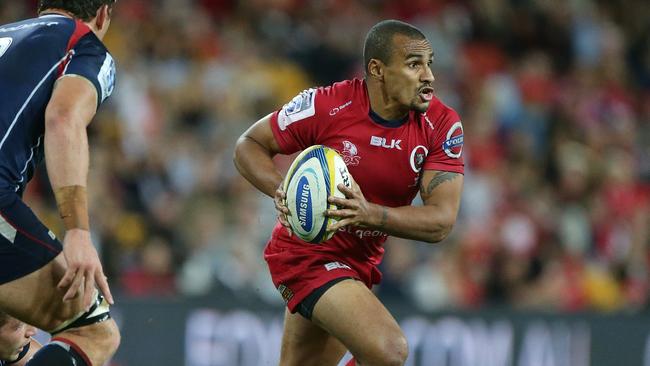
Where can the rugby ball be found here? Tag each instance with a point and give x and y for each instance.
(311, 179)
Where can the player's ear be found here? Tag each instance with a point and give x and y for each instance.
(103, 16)
(376, 69)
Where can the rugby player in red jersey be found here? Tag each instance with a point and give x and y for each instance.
(397, 139)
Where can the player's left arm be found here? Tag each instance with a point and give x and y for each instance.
(88, 79)
(432, 222)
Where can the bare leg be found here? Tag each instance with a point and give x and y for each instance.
(353, 314)
(304, 343)
(36, 300)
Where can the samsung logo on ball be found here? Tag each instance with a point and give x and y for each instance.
(303, 201)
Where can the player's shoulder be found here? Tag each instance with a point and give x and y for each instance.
(440, 112)
(340, 90)
(46, 30)
(342, 96)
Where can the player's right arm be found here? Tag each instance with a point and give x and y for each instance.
(253, 158)
(71, 108)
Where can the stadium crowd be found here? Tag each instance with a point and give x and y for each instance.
(555, 101)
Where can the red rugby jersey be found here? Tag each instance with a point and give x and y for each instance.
(384, 157)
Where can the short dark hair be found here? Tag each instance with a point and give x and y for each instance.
(379, 40)
(82, 9)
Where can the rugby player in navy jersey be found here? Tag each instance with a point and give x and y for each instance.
(397, 139)
(55, 72)
(16, 343)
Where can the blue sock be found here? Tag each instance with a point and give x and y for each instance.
(58, 353)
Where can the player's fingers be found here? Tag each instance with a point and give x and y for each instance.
(341, 202)
(348, 192)
(355, 186)
(89, 287)
(102, 283)
(68, 277)
(283, 220)
(73, 289)
(339, 213)
(282, 208)
(339, 224)
(280, 194)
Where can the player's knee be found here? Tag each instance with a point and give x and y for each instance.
(52, 318)
(391, 350)
(114, 336)
(107, 338)
(396, 351)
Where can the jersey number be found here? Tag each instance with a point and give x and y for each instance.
(4, 44)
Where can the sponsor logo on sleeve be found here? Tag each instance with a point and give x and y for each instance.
(453, 146)
(300, 107)
(106, 76)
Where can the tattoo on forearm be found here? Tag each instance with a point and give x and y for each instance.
(384, 216)
(438, 179)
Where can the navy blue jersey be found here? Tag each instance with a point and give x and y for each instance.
(34, 54)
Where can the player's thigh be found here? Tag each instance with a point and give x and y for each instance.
(35, 298)
(353, 314)
(31, 265)
(304, 343)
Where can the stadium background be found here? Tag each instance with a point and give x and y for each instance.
(555, 219)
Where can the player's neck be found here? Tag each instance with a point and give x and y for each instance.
(69, 15)
(382, 105)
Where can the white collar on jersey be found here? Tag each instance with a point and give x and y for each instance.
(53, 16)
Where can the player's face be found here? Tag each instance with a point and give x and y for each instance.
(14, 335)
(408, 77)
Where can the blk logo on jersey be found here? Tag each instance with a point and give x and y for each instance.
(350, 154)
(453, 146)
(382, 142)
(336, 265)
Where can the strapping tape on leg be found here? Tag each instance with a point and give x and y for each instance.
(99, 312)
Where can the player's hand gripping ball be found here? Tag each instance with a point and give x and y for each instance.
(312, 178)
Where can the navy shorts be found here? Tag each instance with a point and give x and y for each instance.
(26, 245)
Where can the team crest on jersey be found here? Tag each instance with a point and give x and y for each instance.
(350, 154)
(418, 154)
(453, 146)
(300, 107)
